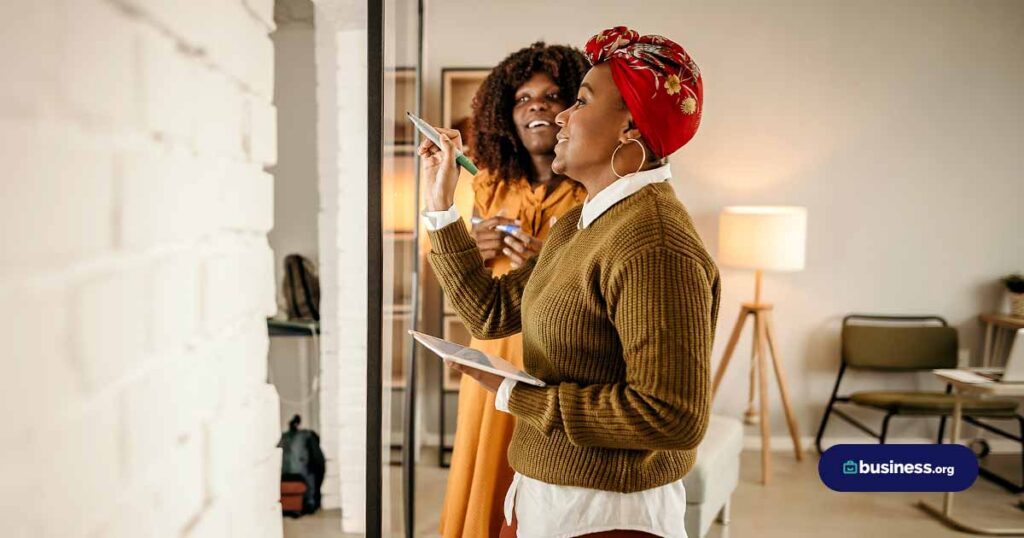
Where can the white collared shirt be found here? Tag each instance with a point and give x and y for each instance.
(543, 509)
(435, 220)
(620, 190)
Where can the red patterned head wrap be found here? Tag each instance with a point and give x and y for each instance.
(659, 82)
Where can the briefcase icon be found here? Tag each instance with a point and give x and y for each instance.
(850, 467)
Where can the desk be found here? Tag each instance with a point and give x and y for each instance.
(999, 332)
(961, 388)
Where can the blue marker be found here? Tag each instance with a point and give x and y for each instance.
(504, 228)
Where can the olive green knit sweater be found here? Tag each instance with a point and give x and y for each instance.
(618, 319)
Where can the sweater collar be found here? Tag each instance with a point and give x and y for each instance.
(620, 190)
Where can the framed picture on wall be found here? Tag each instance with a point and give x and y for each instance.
(458, 86)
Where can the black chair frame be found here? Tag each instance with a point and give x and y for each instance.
(881, 436)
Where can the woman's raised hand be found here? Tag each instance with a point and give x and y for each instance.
(439, 169)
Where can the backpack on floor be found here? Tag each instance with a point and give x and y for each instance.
(302, 460)
(300, 288)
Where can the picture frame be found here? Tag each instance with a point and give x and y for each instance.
(458, 87)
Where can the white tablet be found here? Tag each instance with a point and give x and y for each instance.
(474, 358)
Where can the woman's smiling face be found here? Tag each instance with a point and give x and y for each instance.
(592, 127)
(538, 100)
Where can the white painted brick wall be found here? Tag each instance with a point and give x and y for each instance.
(264, 11)
(135, 273)
(30, 80)
(169, 82)
(261, 139)
(98, 72)
(341, 87)
(49, 153)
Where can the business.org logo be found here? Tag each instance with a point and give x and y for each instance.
(893, 467)
(898, 468)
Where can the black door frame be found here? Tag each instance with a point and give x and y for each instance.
(375, 277)
(375, 285)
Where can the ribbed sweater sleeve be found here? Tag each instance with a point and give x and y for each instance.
(660, 303)
(488, 306)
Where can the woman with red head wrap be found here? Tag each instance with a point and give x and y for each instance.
(649, 95)
(617, 312)
(659, 82)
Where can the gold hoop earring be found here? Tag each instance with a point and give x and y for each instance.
(642, 161)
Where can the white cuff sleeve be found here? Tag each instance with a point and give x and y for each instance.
(503, 395)
(435, 220)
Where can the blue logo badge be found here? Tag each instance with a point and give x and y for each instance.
(898, 468)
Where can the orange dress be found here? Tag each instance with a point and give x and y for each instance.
(480, 473)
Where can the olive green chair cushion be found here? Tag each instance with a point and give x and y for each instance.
(932, 403)
(895, 348)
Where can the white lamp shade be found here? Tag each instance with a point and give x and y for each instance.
(769, 238)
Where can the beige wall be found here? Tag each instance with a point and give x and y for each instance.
(294, 363)
(899, 125)
(296, 200)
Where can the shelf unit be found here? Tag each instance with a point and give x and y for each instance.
(399, 206)
(400, 254)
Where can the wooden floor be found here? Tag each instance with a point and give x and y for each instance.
(795, 504)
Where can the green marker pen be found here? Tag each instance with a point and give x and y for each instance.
(435, 137)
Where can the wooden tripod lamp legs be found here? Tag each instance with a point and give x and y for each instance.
(765, 351)
(762, 378)
(783, 387)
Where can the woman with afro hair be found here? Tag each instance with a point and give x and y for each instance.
(513, 143)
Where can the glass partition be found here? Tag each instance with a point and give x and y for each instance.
(400, 260)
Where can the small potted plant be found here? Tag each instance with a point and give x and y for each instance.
(1015, 289)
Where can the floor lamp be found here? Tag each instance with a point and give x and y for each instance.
(764, 238)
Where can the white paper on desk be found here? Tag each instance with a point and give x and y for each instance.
(963, 376)
(474, 358)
